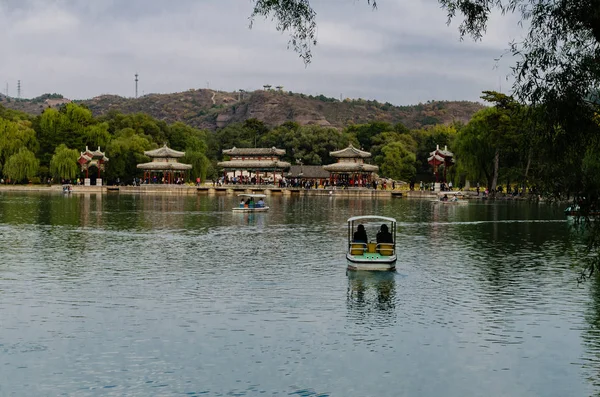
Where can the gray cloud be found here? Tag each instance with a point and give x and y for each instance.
(402, 53)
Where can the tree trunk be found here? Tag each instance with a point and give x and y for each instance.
(526, 171)
(495, 175)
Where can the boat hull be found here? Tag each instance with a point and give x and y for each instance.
(261, 209)
(458, 202)
(371, 262)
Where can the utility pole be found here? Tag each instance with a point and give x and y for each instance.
(136, 85)
(7, 89)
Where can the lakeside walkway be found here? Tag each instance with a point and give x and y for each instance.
(239, 189)
(205, 189)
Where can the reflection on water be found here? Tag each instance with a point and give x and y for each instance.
(591, 336)
(159, 295)
(371, 297)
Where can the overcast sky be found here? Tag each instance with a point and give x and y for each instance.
(403, 52)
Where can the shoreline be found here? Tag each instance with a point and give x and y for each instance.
(203, 190)
(239, 189)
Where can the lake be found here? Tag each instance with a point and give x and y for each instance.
(143, 295)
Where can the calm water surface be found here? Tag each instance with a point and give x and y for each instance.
(165, 295)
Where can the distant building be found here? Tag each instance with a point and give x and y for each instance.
(165, 165)
(89, 159)
(254, 162)
(351, 169)
(55, 102)
(438, 158)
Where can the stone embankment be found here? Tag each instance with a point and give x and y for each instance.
(238, 189)
(205, 189)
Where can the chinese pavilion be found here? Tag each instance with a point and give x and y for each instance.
(164, 163)
(440, 157)
(351, 169)
(259, 161)
(89, 159)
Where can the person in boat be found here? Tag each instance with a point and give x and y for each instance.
(360, 235)
(384, 235)
(445, 198)
(260, 203)
(242, 203)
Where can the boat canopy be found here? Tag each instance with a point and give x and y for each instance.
(252, 195)
(372, 217)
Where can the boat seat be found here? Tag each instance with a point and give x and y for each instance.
(386, 249)
(371, 248)
(357, 248)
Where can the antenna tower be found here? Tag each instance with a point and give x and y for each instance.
(136, 85)
(18, 89)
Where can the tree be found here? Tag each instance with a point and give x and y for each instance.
(199, 162)
(500, 126)
(385, 138)
(475, 148)
(310, 143)
(365, 134)
(125, 152)
(195, 153)
(140, 123)
(97, 135)
(397, 162)
(50, 126)
(63, 164)
(255, 129)
(21, 165)
(14, 136)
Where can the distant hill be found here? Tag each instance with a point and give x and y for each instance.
(210, 109)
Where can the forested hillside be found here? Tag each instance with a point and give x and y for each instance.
(207, 109)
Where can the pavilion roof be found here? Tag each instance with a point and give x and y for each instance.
(254, 164)
(164, 152)
(350, 152)
(88, 155)
(254, 151)
(164, 166)
(435, 158)
(350, 167)
(444, 153)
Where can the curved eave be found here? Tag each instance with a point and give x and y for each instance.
(254, 151)
(254, 164)
(441, 153)
(164, 152)
(350, 152)
(164, 166)
(351, 167)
